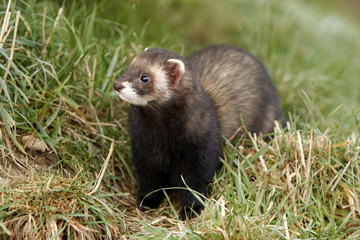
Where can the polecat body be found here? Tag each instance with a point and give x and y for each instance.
(178, 108)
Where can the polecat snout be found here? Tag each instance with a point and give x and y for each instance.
(178, 108)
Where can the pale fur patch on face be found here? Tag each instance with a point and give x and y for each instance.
(128, 94)
(161, 85)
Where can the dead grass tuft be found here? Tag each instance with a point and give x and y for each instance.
(306, 175)
(59, 207)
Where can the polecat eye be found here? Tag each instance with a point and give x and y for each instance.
(145, 79)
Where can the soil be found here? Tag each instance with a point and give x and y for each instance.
(16, 167)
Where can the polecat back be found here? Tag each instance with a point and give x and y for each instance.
(239, 85)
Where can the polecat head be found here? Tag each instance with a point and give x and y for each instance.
(151, 77)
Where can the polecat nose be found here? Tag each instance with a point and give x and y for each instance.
(118, 86)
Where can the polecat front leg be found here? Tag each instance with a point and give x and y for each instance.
(151, 184)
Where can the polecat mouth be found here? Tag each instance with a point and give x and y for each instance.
(128, 94)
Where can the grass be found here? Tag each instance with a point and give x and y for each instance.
(65, 165)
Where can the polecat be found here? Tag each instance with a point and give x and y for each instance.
(179, 108)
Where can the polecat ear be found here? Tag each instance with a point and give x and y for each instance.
(175, 69)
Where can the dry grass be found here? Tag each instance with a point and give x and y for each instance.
(302, 175)
(55, 208)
